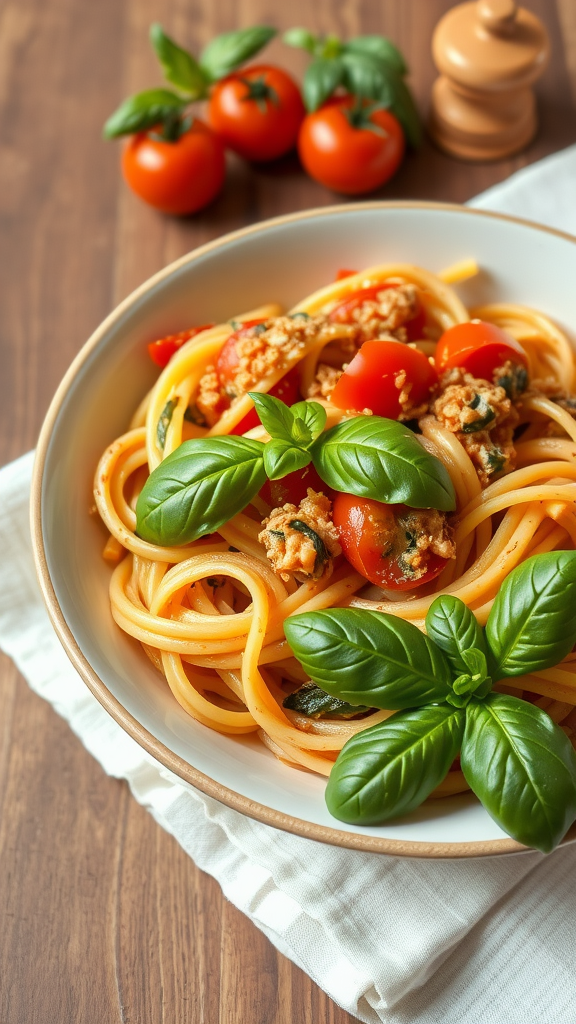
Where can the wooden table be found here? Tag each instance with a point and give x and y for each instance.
(104, 919)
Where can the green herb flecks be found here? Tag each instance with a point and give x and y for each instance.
(322, 553)
(165, 420)
(485, 416)
(514, 382)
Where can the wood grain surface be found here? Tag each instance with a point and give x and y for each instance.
(103, 918)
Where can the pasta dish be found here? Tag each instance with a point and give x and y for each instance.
(377, 446)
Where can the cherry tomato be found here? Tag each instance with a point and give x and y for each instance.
(287, 389)
(343, 312)
(374, 539)
(161, 351)
(369, 380)
(175, 177)
(257, 112)
(293, 488)
(478, 347)
(228, 359)
(349, 149)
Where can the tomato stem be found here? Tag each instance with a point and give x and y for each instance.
(173, 127)
(260, 92)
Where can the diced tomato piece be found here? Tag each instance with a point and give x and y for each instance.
(161, 351)
(370, 381)
(341, 274)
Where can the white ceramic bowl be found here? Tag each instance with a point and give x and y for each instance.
(279, 260)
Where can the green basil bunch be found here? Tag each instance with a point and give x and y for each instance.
(515, 759)
(207, 481)
(191, 77)
(369, 67)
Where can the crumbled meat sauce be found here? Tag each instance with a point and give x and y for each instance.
(325, 381)
(483, 419)
(409, 410)
(209, 398)
(301, 541)
(385, 316)
(412, 536)
(467, 404)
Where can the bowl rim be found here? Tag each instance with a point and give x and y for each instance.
(153, 746)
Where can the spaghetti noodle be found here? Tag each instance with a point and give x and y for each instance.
(210, 613)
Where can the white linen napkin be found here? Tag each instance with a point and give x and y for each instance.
(389, 939)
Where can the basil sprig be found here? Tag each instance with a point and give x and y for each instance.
(516, 760)
(368, 67)
(206, 481)
(164, 108)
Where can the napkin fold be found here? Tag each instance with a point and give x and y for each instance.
(389, 939)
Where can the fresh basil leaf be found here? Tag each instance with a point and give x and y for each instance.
(301, 38)
(313, 702)
(378, 458)
(367, 77)
(281, 458)
(369, 657)
(200, 486)
(522, 767)
(404, 108)
(380, 48)
(312, 416)
(532, 624)
(178, 66)
(276, 417)
(389, 769)
(165, 420)
(226, 52)
(451, 625)
(143, 111)
(321, 79)
(298, 425)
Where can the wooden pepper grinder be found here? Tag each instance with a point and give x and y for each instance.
(488, 54)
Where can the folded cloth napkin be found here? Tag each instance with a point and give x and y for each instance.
(389, 939)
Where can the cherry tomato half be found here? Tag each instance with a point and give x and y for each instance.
(287, 389)
(478, 347)
(374, 539)
(369, 380)
(343, 313)
(257, 112)
(350, 150)
(228, 358)
(161, 351)
(176, 177)
(293, 487)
